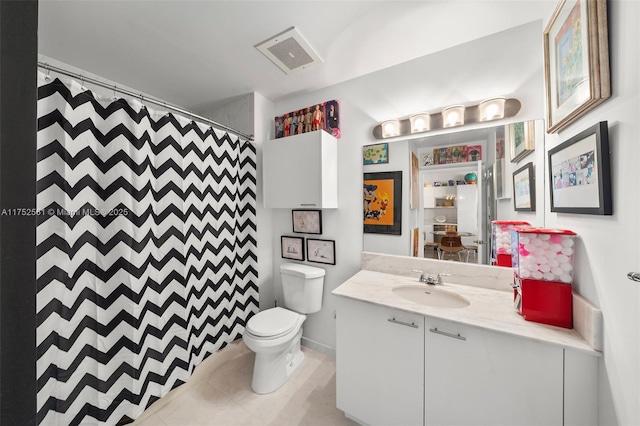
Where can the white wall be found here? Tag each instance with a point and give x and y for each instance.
(609, 246)
(263, 130)
(508, 63)
(393, 244)
(504, 207)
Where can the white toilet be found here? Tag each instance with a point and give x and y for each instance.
(274, 334)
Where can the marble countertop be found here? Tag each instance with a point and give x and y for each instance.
(489, 308)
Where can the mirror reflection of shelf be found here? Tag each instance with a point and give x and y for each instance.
(472, 165)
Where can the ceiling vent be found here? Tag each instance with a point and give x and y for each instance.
(289, 51)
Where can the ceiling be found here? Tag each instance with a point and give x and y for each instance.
(198, 53)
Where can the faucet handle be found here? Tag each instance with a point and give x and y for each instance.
(422, 278)
(438, 278)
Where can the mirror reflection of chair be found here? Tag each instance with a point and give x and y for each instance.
(452, 244)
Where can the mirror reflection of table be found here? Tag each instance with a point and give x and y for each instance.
(466, 248)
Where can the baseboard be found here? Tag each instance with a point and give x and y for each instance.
(324, 349)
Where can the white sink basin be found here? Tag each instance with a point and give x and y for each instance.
(430, 296)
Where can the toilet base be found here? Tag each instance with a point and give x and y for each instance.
(272, 370)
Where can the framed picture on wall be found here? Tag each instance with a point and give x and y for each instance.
(524, 195)
(292, 247)
(375, 154)
(383, 203)
(576, 61)
(580, 175)
(521, 139)
(321, 251)
(307, 221)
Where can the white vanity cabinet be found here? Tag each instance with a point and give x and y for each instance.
(301, 171)
(400, 368)
(477, 376)
(379, 364)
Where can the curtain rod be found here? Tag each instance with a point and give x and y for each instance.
(142, 97)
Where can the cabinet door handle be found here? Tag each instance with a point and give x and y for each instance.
(307, 204)
(444, 333)
(395, 321)
(634, 276)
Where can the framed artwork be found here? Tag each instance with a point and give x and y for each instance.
(524, 189)
(321, 251)
(474, 152)
(580, 174)
(576, 61)
(415, 182)
(307, 221)
(292, 247)
(521, 139)
(375, 154)
(383, 203)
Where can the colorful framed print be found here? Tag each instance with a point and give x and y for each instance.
(307, 221)
(383, 203)
(321, 251)
(576, 61)
(580, 174)
(292, 247)
(524, 195)
(522, 139)
(375, 154)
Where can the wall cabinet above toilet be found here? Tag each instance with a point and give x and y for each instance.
(301, 171)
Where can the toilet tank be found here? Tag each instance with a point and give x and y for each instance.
(302, 287)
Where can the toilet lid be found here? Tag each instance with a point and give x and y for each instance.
(272, 322)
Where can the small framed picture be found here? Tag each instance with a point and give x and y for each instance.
(580, 174)
(521, 140)
(307, 221)
(375, 154)
(321, 251)
(524, 198)
(292, 248)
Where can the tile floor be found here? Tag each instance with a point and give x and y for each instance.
(219, 394)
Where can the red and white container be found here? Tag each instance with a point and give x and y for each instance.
(543, 254)
(543, 261)
(501, 241)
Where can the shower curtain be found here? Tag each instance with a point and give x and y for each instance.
(146, 252)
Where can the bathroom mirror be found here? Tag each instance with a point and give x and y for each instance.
(437, 198)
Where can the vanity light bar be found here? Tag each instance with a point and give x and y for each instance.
(457, 115)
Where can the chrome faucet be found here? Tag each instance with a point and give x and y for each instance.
(431, 280)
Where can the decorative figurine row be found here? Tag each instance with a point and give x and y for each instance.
(323, 116)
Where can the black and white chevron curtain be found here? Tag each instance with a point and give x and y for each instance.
(146, 252)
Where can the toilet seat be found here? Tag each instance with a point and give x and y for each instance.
(274, 322)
